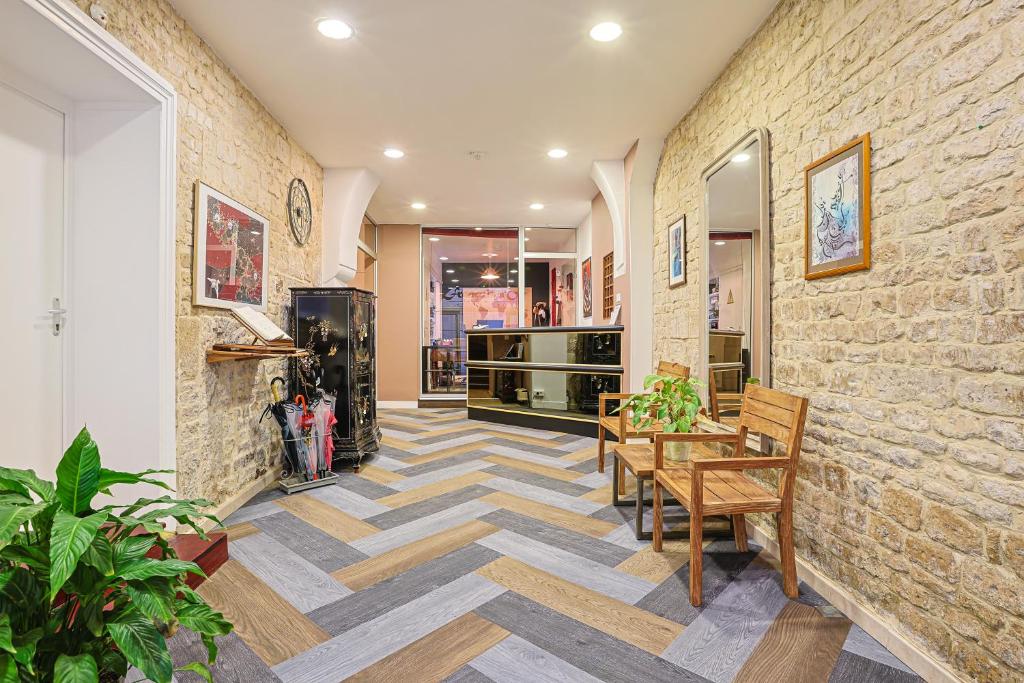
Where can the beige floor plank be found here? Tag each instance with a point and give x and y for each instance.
(442, 454)
(551, 514)
(438, 655)
(262, 616)
(656, 567)
(534, 468)
(378, 475)
(241, 530)
(582, 455)
(433, 490)
(400, 444)
(631, 624)
(384, 566)
(326, 517)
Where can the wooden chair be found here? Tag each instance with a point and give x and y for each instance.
(618, 425)
(717, 486)
(720, 402)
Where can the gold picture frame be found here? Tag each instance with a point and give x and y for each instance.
(837, 211)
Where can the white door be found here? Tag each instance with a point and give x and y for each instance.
(31, 281)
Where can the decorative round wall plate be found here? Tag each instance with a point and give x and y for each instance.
(300, 211)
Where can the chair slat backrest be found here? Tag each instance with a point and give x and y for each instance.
(669, 369)
(775, 414)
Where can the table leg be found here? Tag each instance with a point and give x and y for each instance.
(640, 508)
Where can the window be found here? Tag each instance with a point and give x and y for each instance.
(608, 289)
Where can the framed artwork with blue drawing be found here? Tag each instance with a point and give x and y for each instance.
(837, 211)
(677, 253)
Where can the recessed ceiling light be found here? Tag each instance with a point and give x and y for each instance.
(419, 206)
(529, 229)
(741, 158)
(526, 239)
(488, 255)
(435, 239)
(606, 31)
(455, 279)
(449, 271)
(536, 206)
(334, 28)
(513, 271)
(478, 229)
(394, 153)
(442, 258)
(557, 153)
(720, 243)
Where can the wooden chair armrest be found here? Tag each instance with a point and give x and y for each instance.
(601, 398)
(739, 463)
(661, 439)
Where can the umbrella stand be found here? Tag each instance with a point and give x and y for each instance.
(303, 460)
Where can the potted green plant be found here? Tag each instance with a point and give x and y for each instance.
(87, 590)
(753, 380)
(667, 403)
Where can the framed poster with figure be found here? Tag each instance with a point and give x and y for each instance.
(588, 290)
(677, 253)
(229, 263)
(837, 211)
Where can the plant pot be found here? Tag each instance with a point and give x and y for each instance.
(677, 451)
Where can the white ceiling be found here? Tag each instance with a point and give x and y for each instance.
(441, 78)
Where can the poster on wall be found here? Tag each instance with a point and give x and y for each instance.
(837, 211)
(677, 253)
(229, 267)
(588, 290)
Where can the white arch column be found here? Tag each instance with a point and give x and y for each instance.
(347, 193)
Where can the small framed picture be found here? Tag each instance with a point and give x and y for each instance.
(229, 267)
(837, 211)
(677, 253)
(587, 285)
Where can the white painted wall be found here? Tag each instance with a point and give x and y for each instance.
(584, 250)
(347, 193)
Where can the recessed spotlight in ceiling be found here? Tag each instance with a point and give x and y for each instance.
(526, 239)
(442, 258)
(478, 229)
(394, 153)
(557, 153)
(720, 243)
(449, 271)
(529, 229)
(606, 31)
(513, 271)
(434, 239)
(488, 255)
(536, 206)
(419, 206)
(741, 158)
(334, 28)
(455, 279)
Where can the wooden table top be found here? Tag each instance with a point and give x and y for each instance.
(639, 458)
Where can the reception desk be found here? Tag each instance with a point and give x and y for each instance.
(542, 377)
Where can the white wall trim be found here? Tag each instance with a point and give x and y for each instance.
(82, 29)
(875, 626)
(610, 178)
(347, 194)
(397, 404)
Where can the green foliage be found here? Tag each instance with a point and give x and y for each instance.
(87, 591)
(668, 403)
(753, 380)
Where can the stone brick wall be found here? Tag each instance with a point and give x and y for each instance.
(227, 139)
(911, 486)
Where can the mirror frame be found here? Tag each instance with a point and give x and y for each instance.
(762, 368)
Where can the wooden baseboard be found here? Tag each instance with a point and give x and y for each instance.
(236, 501)
(913, 656)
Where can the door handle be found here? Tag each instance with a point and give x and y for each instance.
(56, 316)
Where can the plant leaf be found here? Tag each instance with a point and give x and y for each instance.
(5, 633)
(132, 548)
(99, 555)
(108, 478)
(78, 473)
(69, 538)
(150, 602)
(198, 668)
(13, 516)
(8, 669)
(147, 567)
(77, 669)
(13, 486)
(28, 478)
(142, 645)
(202, 618)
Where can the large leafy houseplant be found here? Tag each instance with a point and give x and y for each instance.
(86, 590)
(669, 404)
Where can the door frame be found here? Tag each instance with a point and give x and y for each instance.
(79, 27)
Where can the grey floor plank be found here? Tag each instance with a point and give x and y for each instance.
(571, 567)
(371, 641)
(587, 466)
(410, 513)
(434, 465)
(321, 549)
(542, 494)
(247, 513)
(552, 458)
(566, 488)
(364, 487)
(719, 641)
(860, 643)
(421, 528)
(514, 660)
(349, 502)
(467, 674)
(585, 546)
(852, 668)
(381, 598)
(722, 563)
(236, 663)
(597, 653)
(293, 578)
(442, 474)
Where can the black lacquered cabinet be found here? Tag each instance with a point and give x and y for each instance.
(339, 327)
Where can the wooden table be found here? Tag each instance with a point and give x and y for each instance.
(639, 459)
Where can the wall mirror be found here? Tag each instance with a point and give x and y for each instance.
(735, 274)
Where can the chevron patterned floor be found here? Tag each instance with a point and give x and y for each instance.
(474, 552)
